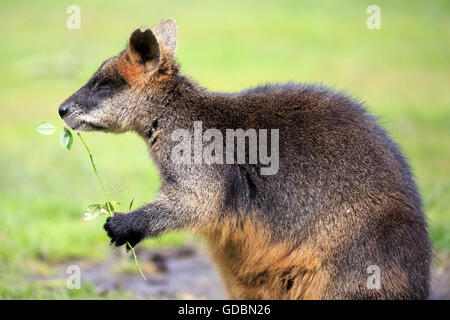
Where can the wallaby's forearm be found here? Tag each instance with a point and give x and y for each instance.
(148, 221)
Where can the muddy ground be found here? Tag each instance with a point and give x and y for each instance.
(183, 273)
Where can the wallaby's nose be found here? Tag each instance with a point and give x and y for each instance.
(63, 110)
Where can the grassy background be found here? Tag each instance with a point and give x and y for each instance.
(402, 72)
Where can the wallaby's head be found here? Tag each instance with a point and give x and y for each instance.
(128, 87)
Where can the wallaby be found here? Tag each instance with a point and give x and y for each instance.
(338, 216)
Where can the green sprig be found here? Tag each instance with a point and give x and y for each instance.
(108, 203)
(66, 140)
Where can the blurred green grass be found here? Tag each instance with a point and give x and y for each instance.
(402, 72)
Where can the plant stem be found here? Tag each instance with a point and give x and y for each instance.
(136, 261)
(108, 204)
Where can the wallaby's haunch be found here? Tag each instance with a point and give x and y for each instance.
(342, 204)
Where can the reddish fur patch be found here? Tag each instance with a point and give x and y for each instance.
(134, 74)
(129, 71)
(255, 267)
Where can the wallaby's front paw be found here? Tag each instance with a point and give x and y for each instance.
(121, 229)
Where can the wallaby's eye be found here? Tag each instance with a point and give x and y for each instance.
(103, 90)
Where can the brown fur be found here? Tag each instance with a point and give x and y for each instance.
(245, 256)
(129, 71)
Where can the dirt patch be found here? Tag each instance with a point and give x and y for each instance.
(172, 273)
(183, 273)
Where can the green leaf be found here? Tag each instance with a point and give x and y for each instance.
(45, 128)
(131, 204)
(95, 210)
(66, 139)
(111, 206)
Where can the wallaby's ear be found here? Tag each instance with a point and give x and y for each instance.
(143, 48)
(167, 33)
